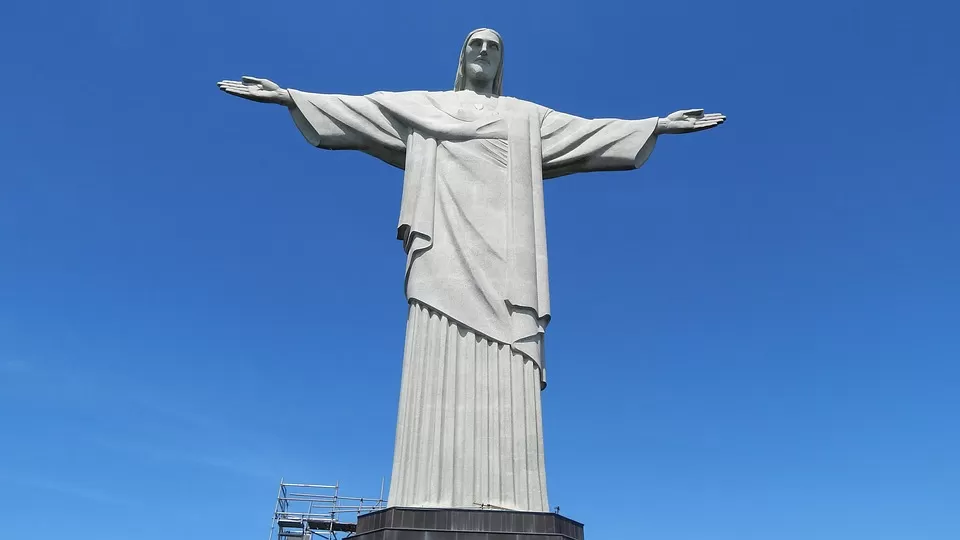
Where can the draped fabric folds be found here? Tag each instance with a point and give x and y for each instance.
(491, 273)
(469, 431)
(472, 224)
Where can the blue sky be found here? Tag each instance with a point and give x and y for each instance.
(755, 336)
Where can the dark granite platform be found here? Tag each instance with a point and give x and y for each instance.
(456, 524)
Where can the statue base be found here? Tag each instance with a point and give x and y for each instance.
(463, 524)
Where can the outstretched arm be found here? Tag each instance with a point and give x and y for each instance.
(330, 121)
(571, 144)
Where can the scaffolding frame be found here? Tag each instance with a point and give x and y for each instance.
(318, 511)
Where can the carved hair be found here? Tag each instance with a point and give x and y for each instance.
(461, 81)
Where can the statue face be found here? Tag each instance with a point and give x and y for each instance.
(482, 56)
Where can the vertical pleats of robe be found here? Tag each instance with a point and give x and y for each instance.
(469, 428)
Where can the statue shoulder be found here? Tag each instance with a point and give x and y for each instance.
(402, 100)
(402, 94)
(526, 107)
(409, 97)
(517, 102)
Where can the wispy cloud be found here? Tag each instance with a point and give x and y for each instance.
(168, 429)
(166, 407)
(14, 366)
(78, 387)
(251, 468)
(74, 491)
(236, 464)
(83, 492)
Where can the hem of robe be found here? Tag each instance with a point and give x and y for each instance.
(530, 347)
(469, 425)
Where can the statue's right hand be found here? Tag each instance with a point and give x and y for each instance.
(256, 89)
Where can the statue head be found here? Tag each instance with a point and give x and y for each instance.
(481, 61)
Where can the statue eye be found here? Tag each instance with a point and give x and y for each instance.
(494, 45)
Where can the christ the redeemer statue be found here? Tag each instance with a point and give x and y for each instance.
(469, 429)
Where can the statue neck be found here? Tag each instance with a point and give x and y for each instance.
(481, 87)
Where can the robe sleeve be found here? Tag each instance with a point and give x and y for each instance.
(571, 144)
(339, 122)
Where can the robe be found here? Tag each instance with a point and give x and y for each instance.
(472, 225)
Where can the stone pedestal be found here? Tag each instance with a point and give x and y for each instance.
(458, 524)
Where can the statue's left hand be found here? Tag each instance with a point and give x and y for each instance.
(688, 121)
(257, 89)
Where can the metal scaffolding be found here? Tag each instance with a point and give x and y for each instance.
(308, 511)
